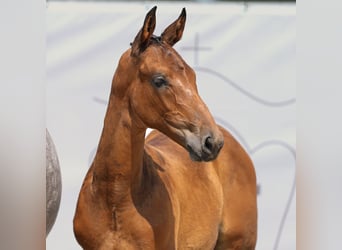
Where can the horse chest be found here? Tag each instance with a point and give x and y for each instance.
(190, 207)
(202, 210)
(116, 230)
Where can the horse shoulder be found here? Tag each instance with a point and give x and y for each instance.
(194, 190)
(238, 179)
(233, 163)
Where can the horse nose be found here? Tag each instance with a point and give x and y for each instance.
(211, 147)
(209, 143)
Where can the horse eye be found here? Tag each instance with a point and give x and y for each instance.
(159, 81)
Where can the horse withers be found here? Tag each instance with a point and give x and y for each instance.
(188, 185)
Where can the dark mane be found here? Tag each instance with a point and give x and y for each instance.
(156, 39)
(153, 39)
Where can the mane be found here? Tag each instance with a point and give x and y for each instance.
(156, 39)
(153, 39)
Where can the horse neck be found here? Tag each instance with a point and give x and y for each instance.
(119, 158)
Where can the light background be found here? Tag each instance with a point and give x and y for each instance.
(245, 64)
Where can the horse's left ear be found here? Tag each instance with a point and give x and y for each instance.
(174, 32)
(141, 40)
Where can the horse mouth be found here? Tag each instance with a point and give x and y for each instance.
(200, 147)
(193, 155)
(200, 155)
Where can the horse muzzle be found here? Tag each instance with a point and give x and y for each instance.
(205, 148)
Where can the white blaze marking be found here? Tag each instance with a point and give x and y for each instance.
(188, 92)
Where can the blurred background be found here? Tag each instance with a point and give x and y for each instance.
(243, 53)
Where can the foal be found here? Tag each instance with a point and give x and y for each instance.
(179, 188)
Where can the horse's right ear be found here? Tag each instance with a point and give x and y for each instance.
(141, 40)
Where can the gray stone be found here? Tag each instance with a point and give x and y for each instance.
(53, 183)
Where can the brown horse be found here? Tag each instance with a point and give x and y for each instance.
(148, 193)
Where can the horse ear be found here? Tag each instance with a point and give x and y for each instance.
(173, 33)
(141, 40)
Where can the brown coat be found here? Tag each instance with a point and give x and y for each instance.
(188, 185)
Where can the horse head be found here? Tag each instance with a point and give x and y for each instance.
(160, 89)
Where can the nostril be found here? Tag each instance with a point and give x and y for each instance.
(209, 143)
